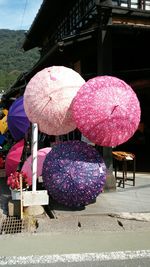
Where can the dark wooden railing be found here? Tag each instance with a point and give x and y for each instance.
(81, 13)
(133, 4)
(85, 11)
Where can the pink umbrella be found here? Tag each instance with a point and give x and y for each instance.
(106, 110)
(13, 157)
(48, 96)
(41, 154)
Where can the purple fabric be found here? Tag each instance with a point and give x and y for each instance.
(74, 173)
(18, 122)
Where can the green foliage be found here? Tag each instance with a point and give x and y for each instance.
(13, 60)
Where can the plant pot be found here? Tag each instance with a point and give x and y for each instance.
(16, 194)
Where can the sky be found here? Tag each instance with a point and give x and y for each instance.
(18, 14)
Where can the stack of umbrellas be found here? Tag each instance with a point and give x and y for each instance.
(103, 109)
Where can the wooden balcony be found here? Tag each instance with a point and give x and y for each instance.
(140, 5)
(85, 14)
(57, 20)
(125, 11)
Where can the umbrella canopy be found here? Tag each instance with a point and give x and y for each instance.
(74, 173)
(18, 122)
(13, 157)
(41, 154)
(2, 138)
(3, 125)
(3, 121)
(106, 110)
(48, 96)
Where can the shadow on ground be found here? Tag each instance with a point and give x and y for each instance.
(5, 196)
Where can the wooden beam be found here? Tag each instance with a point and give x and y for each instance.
(130, 21)
(104, 67)
(139, 84)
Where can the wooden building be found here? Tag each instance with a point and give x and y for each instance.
(98, 37)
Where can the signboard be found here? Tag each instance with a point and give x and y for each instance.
(33, 198)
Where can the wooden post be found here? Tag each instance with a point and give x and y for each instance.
(104, 67)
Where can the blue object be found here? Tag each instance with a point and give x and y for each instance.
(2, 138)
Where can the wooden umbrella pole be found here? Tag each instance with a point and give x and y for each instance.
(21, 200)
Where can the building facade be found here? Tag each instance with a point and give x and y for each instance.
(98, 37)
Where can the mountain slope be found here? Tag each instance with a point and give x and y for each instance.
(13, 60)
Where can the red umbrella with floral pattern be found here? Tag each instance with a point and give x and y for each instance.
(13, 157)
(106, 110)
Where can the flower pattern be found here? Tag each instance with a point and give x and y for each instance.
(106, 110)
(48, 97)
(74, 173)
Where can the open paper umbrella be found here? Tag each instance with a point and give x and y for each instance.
(106, 110)
(48, 96)
(41, 154)
(3, 122)
(74, 173)
(2, 138)
(18, 122)
(3, 125)
(13, 157)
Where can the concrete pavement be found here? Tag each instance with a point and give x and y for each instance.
(135, 199)
(77, 243)
(91, 232)
(131, 200)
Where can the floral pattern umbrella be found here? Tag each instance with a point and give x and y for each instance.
(74, 173)
(106, 110)
(48, 96)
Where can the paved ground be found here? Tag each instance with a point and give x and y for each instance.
(76, 243)
(118, 223)
(4, 196)
(129, 199)
(110, 212)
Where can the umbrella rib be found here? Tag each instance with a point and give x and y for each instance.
(46, 104)
(114, 109)
(50, 99)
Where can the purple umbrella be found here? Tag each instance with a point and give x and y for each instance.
(74, 173)
(18, 122)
